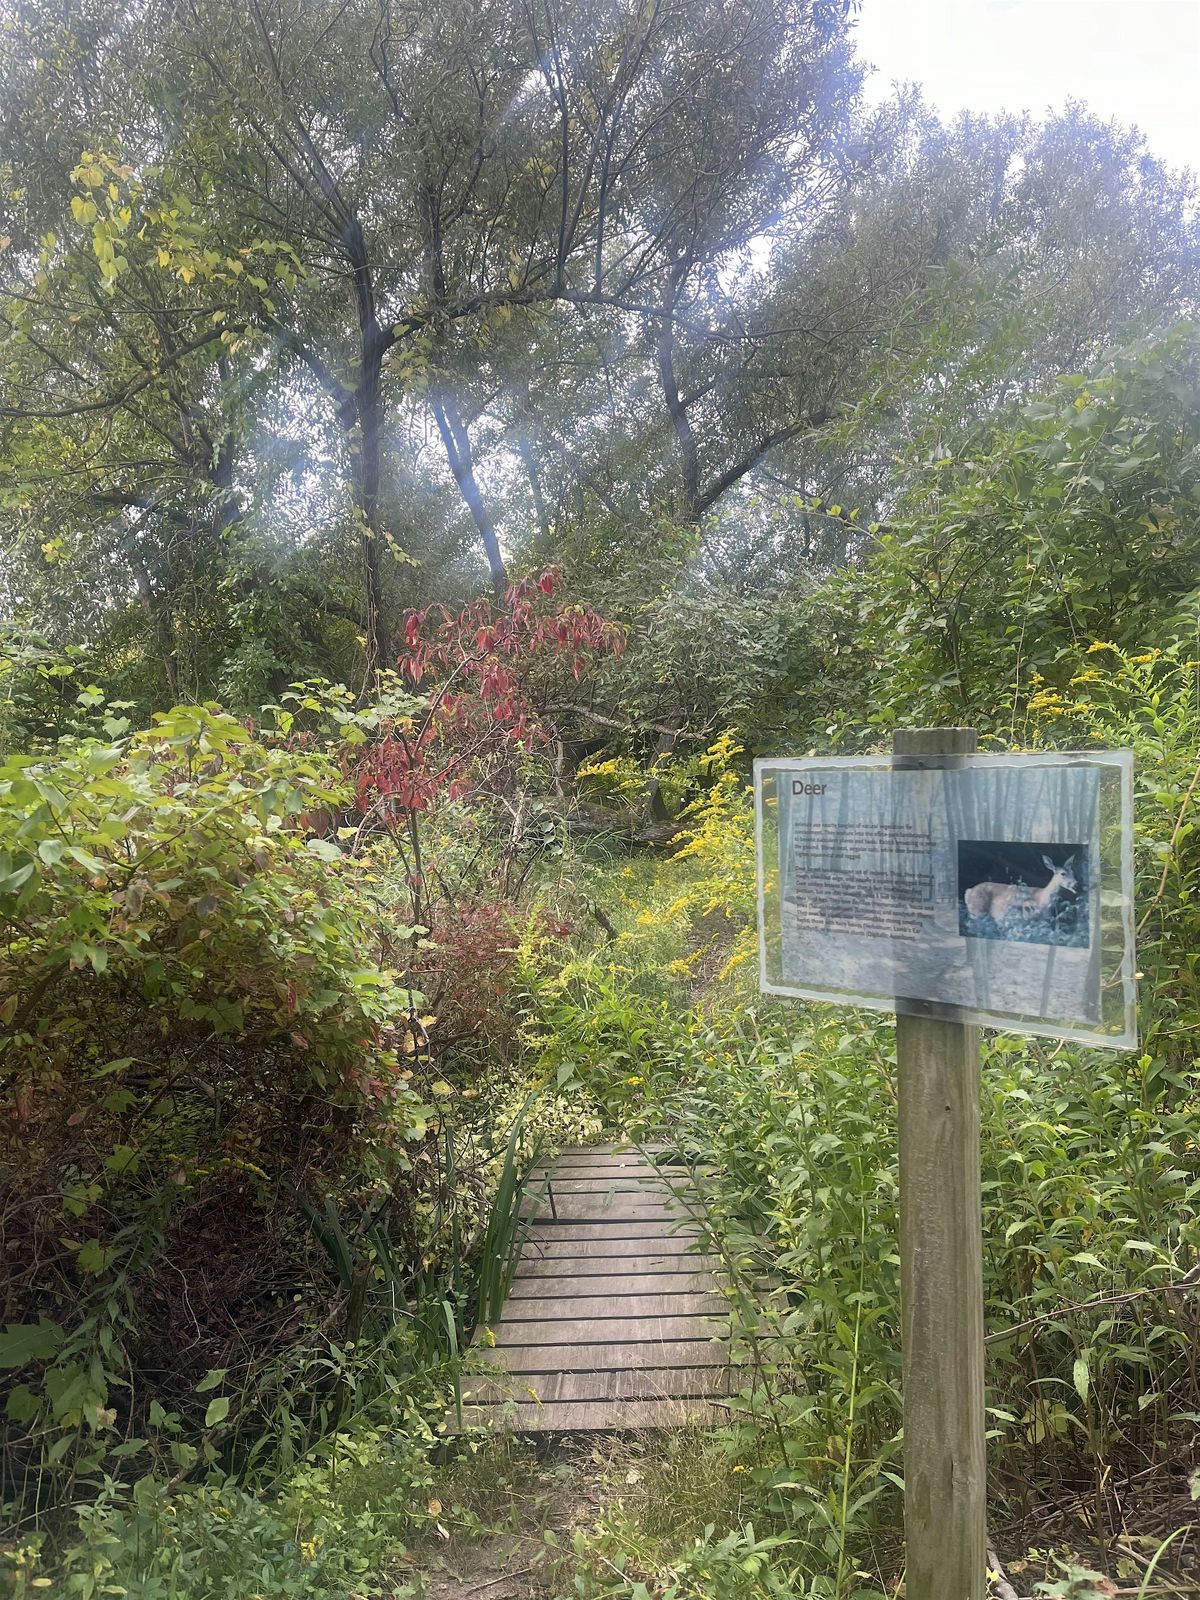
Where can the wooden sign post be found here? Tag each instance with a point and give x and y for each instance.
(917, 884)
(941, 1283)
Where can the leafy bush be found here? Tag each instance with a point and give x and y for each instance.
(192, 1019)
(333, 1528)
(1075, 519)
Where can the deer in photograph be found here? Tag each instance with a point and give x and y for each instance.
(998, 900)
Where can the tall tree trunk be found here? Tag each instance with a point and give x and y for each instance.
(681, 425)
(370, 422)
(532, 470)
(458, 453)
(369, 405)
(652, 807)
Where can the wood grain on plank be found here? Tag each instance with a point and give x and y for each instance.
(588, 1415)
(610, 1184)
(627, 1148)
(603, 1357)
(601, 1201)
(615, 1330)
(637, 1261)
(551, 1244)
(671, 1171)
(659, 1229)
(638, 1207)
(631, 1280)
(647, 1175)
(613, 1308)
(628, 1383)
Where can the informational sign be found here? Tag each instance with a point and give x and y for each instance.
(990, 889)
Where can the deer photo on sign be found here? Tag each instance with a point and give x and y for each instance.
(1034, 894)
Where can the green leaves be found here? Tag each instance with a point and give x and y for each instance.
(23, 1342)
(1081, 1374)
(13, 878)
(92, 1257)
(22, 1404)
(218, 1410)
(172, 865)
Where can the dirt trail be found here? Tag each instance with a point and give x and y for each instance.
(566, 1491)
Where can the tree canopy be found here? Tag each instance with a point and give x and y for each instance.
(313, 312)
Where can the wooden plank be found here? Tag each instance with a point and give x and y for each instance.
(682, 1264)
(614, 1330)
(629, 1161)
(601, 1307)
(614, 1316)
(631, 1282)
(608, 1357)
(636, 1383)
(561, 1244)
(609, 1183)
(614, 1197)
(658, 1230)
(617, 1167)
(590, 1151)
(590, 1415)
(637, 1207)
(651, 1175)
(941, 1285)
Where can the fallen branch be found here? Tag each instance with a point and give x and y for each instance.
(1190, 1280)
(626, 725)
(581, 817)
(1000, 1584)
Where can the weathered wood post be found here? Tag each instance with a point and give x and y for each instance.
(941, 1281)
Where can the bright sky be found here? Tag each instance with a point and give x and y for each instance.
(1136, 60)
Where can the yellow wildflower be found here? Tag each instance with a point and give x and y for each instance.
(1099, 644)
(1048, 700)
(735, 960)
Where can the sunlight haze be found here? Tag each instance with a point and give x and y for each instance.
(1135, 60)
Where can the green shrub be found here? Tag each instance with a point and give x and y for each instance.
(192, 1002)
(334, 1529)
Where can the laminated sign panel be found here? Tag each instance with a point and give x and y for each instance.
(994, 889)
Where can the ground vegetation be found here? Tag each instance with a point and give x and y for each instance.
(439, 450)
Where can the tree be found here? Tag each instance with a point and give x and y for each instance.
(382, 294)
(435, 176)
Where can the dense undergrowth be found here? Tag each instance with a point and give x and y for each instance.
(289, 1002)
(1091, 1183)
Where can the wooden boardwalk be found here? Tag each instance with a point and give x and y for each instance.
(613, 1318)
